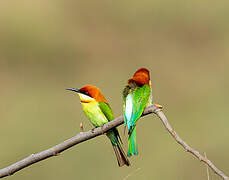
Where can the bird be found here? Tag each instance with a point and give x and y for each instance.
(137, 94)
(99, 112)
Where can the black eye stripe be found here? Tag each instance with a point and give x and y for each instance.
(86, 93)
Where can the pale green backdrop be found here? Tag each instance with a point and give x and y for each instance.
(49, 45)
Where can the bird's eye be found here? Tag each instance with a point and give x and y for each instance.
(86, 93)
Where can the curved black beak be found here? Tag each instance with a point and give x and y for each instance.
(73, 89)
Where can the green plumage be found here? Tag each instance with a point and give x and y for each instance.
(100, 113)
(112, 134)
(132, 144)
(135, 99)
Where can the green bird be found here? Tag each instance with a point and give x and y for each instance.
(98, 111)
(136, 96)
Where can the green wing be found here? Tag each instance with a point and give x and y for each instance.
(107, 111)
(139, 98)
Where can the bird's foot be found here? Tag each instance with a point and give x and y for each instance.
(102, 128)
(93, 130)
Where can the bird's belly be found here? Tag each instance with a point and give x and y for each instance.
(94, 114)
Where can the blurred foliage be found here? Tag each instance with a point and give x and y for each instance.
(47, 46)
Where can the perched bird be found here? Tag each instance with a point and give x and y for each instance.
(136, 96)
(98, 111)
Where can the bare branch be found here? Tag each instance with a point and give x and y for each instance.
(208, 176)
(81, 127)
(129, 175)
(84, 136)
(164, 120)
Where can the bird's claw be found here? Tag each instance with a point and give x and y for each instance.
(102, 128)
(93, 130)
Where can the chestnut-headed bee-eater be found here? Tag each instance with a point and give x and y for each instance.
(136, 96)
(99, 112)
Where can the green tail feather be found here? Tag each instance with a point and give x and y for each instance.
(133, 150)
(119, 152)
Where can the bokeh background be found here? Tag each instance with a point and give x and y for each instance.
(49, 45)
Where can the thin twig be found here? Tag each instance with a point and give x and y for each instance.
(205, 155)
(164, 120)
(129, 175)
(84, 136)
(81, 127)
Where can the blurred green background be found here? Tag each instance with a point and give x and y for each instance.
(49, 45)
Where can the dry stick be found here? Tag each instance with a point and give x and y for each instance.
(164, 120)
(81, 127)
(84, 136)
(129, 175)
(208, 176)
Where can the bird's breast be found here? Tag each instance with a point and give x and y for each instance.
(94, 114)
